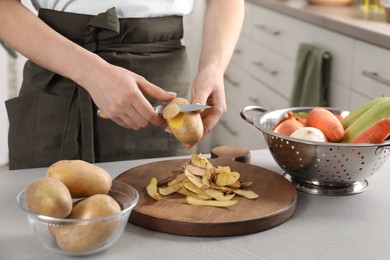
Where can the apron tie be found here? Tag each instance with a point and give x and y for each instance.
(100, 27)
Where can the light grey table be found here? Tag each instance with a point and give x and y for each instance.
(323, 227)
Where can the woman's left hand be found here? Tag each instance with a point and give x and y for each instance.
(208, 88)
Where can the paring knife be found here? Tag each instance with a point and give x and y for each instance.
(183, 107)
(159, 109)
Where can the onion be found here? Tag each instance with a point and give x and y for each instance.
(288, 125)
(309, 133)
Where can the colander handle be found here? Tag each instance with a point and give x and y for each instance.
(386, 146)
(244, 112)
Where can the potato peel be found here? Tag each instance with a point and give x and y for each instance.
(213, 203)
(246, 193)
(165, 191)
(204, 185)
(152, 189)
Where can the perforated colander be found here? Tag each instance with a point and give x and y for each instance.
(316, 167)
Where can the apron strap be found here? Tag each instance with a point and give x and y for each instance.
(103, 26)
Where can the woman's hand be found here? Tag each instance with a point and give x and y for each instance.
(208, 88)
(120, 94)
(223, 21)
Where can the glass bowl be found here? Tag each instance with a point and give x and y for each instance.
(80, 237)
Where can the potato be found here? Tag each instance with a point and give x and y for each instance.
(48, 196)
(89, 235)
(83, 179)
(187, 127)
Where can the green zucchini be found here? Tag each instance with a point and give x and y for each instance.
(374, 113)
(359, 111)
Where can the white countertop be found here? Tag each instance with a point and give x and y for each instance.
(323, 227)
(350, 20)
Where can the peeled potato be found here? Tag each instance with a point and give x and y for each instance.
(187, 127)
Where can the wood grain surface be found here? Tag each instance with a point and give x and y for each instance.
(172, 215)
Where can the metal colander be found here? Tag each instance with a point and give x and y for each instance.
(316, 167)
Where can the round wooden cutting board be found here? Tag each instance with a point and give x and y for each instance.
(171, 214)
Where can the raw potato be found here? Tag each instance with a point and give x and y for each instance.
(49, 197)
(89, 235)
(187, 127)
(83, 179)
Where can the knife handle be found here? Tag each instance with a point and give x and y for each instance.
(101, 114)
(158, 109)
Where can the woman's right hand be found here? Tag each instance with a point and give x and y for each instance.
(120, 94)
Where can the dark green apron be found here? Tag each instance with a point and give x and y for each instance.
(53, 118)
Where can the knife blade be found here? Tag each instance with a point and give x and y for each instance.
(160, 108)
(183, 107)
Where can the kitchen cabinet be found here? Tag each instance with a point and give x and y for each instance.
(262, 69)
(371, 70)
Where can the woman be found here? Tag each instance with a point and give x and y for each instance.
(120, 59)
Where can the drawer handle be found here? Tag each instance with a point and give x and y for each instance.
(267, 29)
(265, 68)
(375, 76)
(232, 82)
(237, 51)
(228, 128)
(256, 101)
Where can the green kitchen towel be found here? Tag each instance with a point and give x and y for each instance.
(312, 77)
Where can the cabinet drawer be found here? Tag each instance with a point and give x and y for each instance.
(248, 20)
(275, 31)
(233, 130)
(263, 95)
(357, 100)
(227, 130)
(235, 86)
(339, 96)
(371, 74)
(284, 34)
(273, 69)
(243, 89)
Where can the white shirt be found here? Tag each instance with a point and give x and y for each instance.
(125, 8)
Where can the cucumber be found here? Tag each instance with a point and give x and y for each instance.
(356, 113)
(367, 119)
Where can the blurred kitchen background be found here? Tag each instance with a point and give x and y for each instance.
(265, 66)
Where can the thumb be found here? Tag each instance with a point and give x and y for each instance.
(156, 92)
(200, 97)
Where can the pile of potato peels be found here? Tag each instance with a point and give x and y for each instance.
(203, 184)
